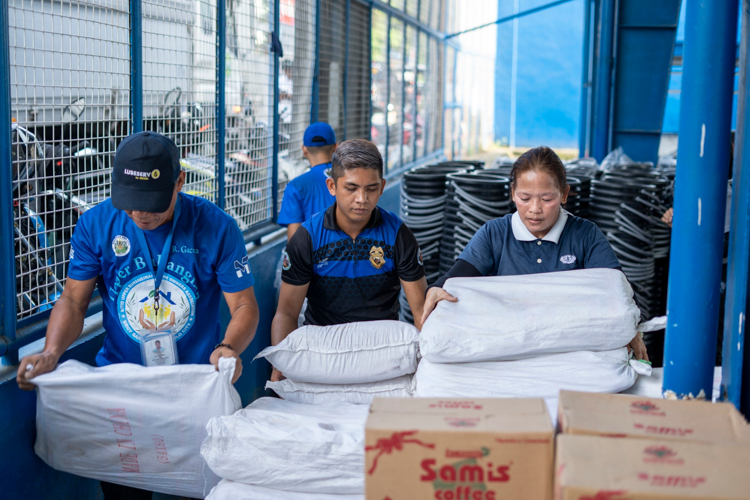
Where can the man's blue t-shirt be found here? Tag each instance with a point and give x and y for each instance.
(306, 195)
(207, 257)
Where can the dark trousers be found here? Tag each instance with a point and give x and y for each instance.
(118, 492)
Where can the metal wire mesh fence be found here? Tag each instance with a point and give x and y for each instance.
(379, 76)
(70, 95)
(297, 69)
(179, 84)
(358, 73)
(249, 110)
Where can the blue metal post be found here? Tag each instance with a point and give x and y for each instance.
(369, 65)
(700, 197)
(221, 108)
(346, 70)
(136, 66)
(603, 79)
(7, 256)
(585, 82)
(387, 91)
(414, 112)
(738, 268)
(316, 72)
(276, 130)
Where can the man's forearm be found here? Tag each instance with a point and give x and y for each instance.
(65, 326)
(283, 324)
(241, 329)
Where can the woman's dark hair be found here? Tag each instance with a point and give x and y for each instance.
(540, 158)
(356, 153)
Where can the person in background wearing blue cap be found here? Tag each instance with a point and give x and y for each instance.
(161, 260)
(307, 194)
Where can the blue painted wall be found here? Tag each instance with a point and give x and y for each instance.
(548, 76)
(28, 478)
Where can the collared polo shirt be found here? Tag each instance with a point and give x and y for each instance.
(306, 195)
(352, 279)
(505, 247)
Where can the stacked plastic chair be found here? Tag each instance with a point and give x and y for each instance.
(479, 197)
(423, 199)
(627, 205)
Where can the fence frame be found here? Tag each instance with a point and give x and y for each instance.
(15, 333)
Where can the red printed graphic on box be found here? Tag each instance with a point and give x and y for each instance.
(606, 495)
(646, 407)
(674, 481)
(663, 430)
(395, 443)
(453, 404)
(661, 455)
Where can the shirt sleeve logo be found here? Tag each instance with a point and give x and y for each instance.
(568, 259)
(286, 264)
(419, 257)
(121, 245)
(242, 266)
(377, 257)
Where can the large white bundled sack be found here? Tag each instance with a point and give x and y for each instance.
(231, 490)
(511, 317)
(291, 446)
(350, 353)
(132, 425)
(361, 394)
(540, 377)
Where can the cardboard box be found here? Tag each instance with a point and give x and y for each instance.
(596, 468)
(458, 449)
(616, 415)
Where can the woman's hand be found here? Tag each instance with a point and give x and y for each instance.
(638, 347)
(277, 376)
(435, 295)
(668, 216)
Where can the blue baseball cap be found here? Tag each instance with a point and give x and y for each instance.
(146, 168)
(319, 134)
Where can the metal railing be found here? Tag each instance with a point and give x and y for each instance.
(233, 83)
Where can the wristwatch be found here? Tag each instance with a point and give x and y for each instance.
(223, 345)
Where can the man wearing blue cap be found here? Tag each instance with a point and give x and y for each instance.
(162, 260)
(307, 194)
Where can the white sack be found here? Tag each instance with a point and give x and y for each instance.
(512, 317)
(230, 490)
(291, 446)
(361, 394)
(350, 353)
(541, 377)
(132, 425)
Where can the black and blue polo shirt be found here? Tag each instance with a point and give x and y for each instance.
(352, 279)
(505, 247)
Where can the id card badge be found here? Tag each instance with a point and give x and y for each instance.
(159, 349)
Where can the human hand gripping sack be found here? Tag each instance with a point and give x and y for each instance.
(38, 364)
(435, 295)
(227, 352)
(638, 347)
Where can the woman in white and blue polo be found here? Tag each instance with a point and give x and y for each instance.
(540, 237)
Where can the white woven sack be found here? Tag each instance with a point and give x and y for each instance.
(230, 490)
(132, 425)
(540, 377)
(361, 394)
(350, 353)
(290, 446)
(512, 317)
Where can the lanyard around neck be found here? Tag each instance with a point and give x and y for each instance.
(159, 274)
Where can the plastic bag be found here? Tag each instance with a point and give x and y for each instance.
(290, 446)
(132, 425)
(350, 353)
(512, 317)
(230, 490)
(361, 394)
(540, 377)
